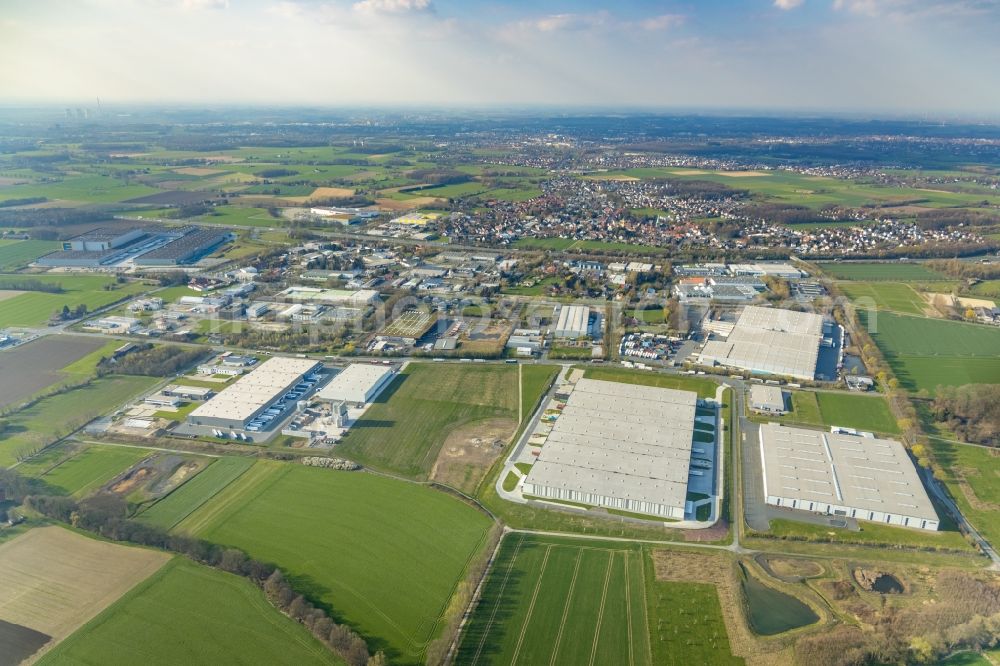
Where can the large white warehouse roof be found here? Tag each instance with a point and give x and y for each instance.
(247, 395)
(357, 382)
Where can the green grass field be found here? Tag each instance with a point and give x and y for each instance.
(244, 217)
(704, 387)
(90, 468)
(190, 614)
(896, 296)
(890, 271)
(17, 253)
(402, 432)
(186, 499)
(926, 353)
(558, 602)
(829, 408)
(83, 189)
(686, 625)
(384, 554)
(32, 428)
(971, 474)
(876, 534)
(33, 308)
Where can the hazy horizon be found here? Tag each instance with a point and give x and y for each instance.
(893, 58)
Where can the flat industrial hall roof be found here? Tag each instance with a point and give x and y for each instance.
(355, 378)
(621, 440)
(244, 397)
(771, 340)
(848, 470)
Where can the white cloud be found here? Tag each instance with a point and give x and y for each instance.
(788, 4)
(204, 4)
(391, 6)
(665, 21)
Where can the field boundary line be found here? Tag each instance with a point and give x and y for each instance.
(566, 606)
(208, 520)
(600, 613)
(496, 606)
(531, 606)
(628, 614)
(645, 607)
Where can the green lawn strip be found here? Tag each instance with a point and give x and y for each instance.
(187, 498)
(189, 613)
(864, 412)
(54, 417)
(90, 469)
(889, 271)
(871, 533)
(510, 481)
(705, 388)
(329, 529)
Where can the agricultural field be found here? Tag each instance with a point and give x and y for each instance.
(404, 429)
(85, 470)
(890, 271)
(15, 254)
(559, 602)
(55, 580)
(686, 625)
(926, 353)
(186, 499)
(79, 189)
(244, 217)
(51, 418)
(421, 539)
(33, 308)
(896, 296)
(705, 388)
(971, 474)
(187, 613)
(41, 363)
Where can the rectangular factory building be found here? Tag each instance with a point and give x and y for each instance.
(357, 384)
(573, 322)
(770, 341)
(250, 395)
(843, 474)
(621, 446)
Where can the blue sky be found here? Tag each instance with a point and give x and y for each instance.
(886, 56)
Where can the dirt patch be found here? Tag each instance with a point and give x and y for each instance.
(794, 567)
(689, 172)
(716, 532)
(9, 293)
(198, 171)
(469, 451)
(39, 363)
(55, 580)
(409, 204)
(132, 480)
(331, 193)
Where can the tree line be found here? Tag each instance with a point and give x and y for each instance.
(152, 361)
(972, 411)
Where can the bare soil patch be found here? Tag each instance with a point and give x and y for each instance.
(794, 567)
(31, 367)
(55, 580)
(469, 451)
(331, 193)
(409, 204)
(9, 293)
(689, 172)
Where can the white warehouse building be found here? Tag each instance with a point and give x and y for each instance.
(357, 384)
(843, 474)
(573, 322)
(621, 446)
